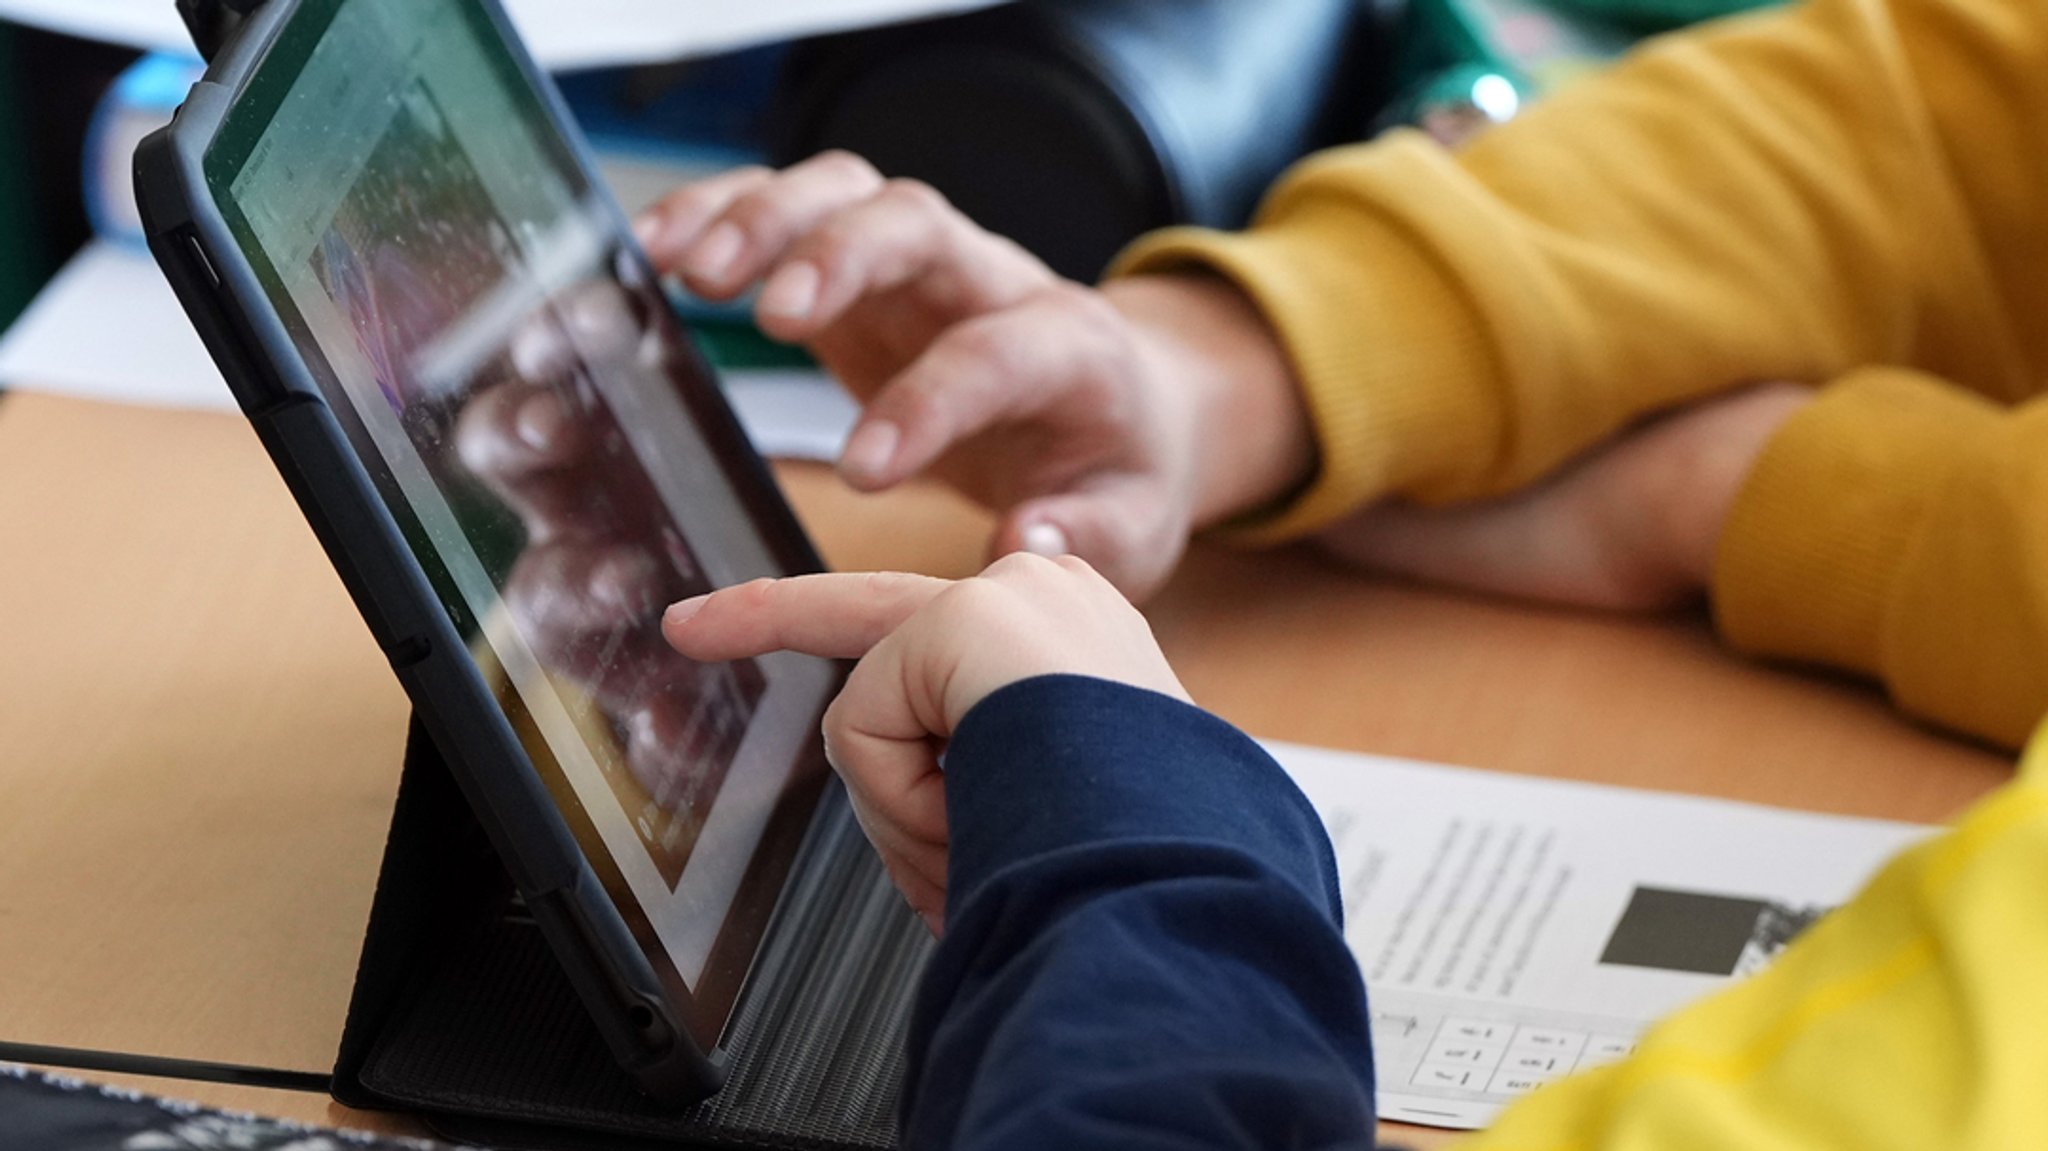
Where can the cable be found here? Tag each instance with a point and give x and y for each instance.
(120, 1063)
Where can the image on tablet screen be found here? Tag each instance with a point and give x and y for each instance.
(412, 245)
(514, 382)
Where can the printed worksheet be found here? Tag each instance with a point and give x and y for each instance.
(1512, 930)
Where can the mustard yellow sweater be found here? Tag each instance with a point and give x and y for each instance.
(1852, 193)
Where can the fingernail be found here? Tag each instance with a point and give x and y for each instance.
(624, 580)
(534, 350)
(715, 253)
(647, 229)
(792, 292)
(679, 613)
(540, 422)
(1043, 539)
(869, 450)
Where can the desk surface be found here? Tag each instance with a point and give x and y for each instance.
(202, 743)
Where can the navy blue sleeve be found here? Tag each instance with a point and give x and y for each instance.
(1143, 941)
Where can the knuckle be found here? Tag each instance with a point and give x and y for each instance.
(1106, 351)
(1075, 565)
(971, 601)
(835, 729)
(841, 164)
(915, 195)
(877, 587)
(691, 200)
(1021, 566)
(833, 725)
(726, 184)
(1088, 313)
(755, 212)
(1083, 301)
(833, 246)
(992, 341)
(755, 595)
(702, 197)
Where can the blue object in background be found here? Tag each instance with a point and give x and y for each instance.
(714, 103)
(140, 101)
(653, 127)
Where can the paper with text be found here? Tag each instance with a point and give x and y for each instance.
(1512, 930)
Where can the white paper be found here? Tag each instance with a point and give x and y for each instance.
(562, 34)
(108, 328)
(567, 34)
(1512, 930)
(791, 414)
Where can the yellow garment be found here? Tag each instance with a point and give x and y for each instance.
(1911, 1018)
(1851, 193)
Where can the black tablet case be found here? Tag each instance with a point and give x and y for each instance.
(460, 1013)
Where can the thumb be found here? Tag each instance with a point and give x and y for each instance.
(1120, 526)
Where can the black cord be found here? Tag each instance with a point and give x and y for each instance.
(120, 1063)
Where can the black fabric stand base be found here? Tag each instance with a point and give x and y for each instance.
(461, 1014)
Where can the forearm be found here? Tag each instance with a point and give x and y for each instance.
(1783, 197)
(1142, 943)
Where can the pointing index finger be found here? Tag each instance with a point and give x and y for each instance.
(837, 616)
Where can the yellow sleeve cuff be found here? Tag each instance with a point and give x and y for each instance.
(1812, 553)
(1389, 352)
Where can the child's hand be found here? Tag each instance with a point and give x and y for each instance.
(929, 650)
(1106, 423)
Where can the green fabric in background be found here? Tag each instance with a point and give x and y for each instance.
(731, 343)
(1539, 45)
(23, 263)
(1658, 15)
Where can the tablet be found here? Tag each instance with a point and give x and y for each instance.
(380, 219)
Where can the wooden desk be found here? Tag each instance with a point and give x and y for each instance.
(201, 743)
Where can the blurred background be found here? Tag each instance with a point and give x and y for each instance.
(1070, 125)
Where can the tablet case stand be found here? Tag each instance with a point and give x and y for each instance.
(460, 1013)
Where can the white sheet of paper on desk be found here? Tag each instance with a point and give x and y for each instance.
(108, 328)
(1512, 929)
(563, 34)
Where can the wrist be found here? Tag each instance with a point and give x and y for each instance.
(1056, 762)
(1719, 467)
(1210, 353)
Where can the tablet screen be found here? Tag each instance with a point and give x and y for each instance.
(522, 395)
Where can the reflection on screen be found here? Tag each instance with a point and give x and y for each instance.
(507, 370)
